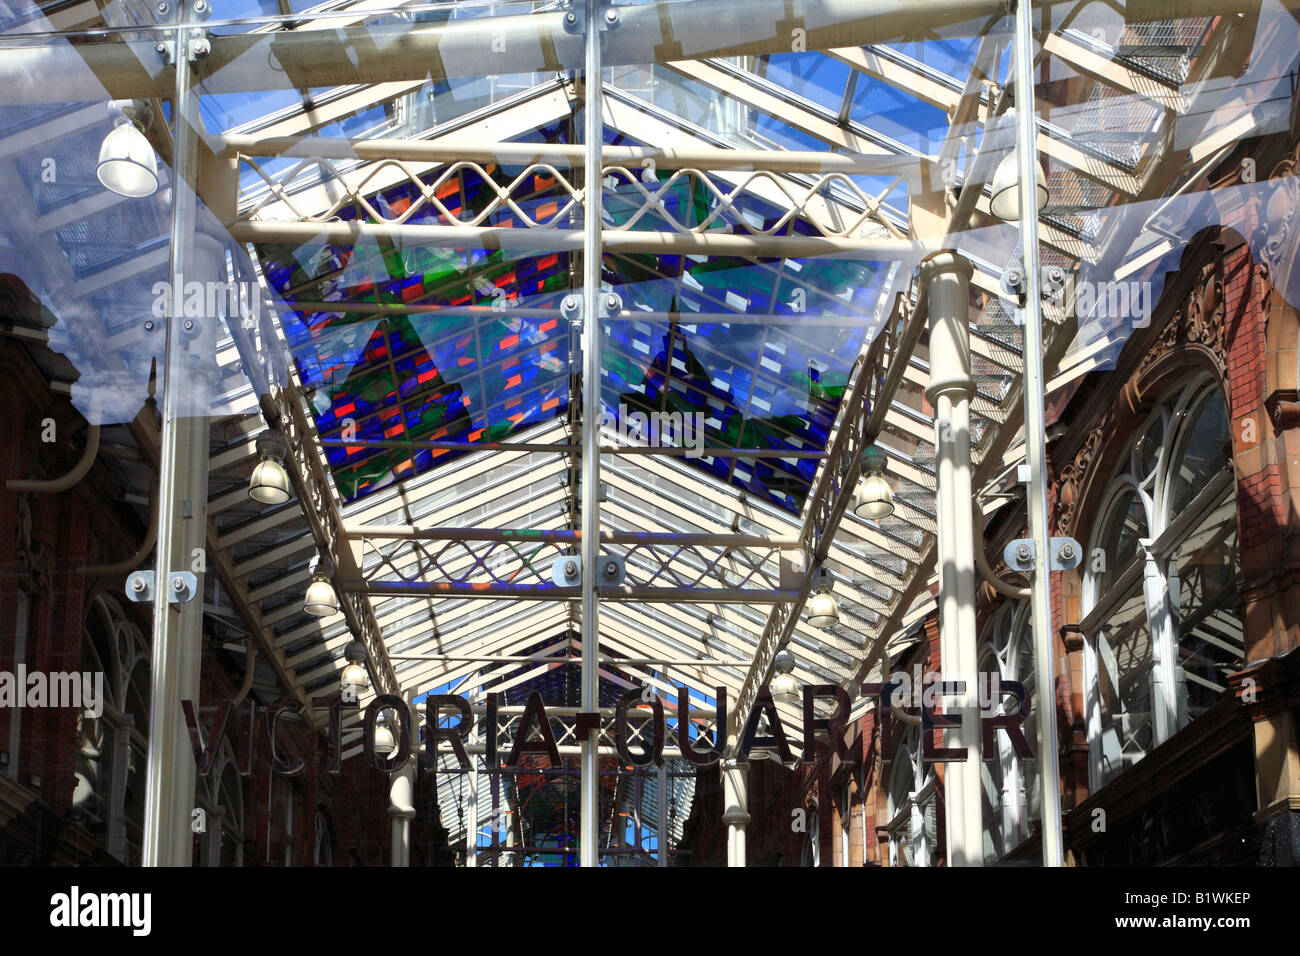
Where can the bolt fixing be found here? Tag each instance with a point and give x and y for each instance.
(178, 585)
(570, 17)
(1067, 551)
(138, 585)
(611, 569)
(189, 325)
(1022, 552)
(570, 568)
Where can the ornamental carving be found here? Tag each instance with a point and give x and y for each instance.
(1279, 226)
(1200, 320)
(1070, 483)
(35, 561)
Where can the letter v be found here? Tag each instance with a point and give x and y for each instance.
(205, 752)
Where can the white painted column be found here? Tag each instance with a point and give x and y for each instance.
(947, 279)
(735, 807)
(401, 810)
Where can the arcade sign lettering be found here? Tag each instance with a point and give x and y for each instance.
(763, 729)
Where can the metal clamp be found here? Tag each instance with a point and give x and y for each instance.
(1052, 284)
(610, 304)
(184, 586)
(1012, 285)
(1065, 554)
(566, 572)
(611, 571)
(571, 309)
(140, 587)
(575, 19)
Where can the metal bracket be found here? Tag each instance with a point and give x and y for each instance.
(140, 587)
(571, 309)
(611, 571)
(1052, 283)
(1012, 286)
(1065, 554)
(184, 586)
(610, 304)
(566, 572)
(575, 19)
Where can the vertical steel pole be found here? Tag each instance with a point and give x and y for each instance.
(593, 139)
(1035, 442)
(182, 490)
(471, 797)
(661, 817)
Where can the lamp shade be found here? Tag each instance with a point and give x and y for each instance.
(822, 610)
(872, 498)
(270, 483)
(127, 164)
(385, 742)
(1005, 203)
(785, 689)
(321, 600)
(354, 679)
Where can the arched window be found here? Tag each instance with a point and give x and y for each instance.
(324, 853)
(108, 796)
(1010, 785)
(912, 825)
(220, 796)
(1161, 615)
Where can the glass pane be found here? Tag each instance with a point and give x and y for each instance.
(1205, 445)
(1125, 526)
(1210, 626)
(1124, 656)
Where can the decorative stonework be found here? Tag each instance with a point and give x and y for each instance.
(1283, 407)
(1199, 321)
(35, 561)
(1279, 226)
(1071, 477)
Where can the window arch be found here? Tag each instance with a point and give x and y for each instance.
(912, 825)
(1010, 788)
(1161, 616)
(108, 796)
(220, 795)
(324, 851)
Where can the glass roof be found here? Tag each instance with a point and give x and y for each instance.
(365, 168)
